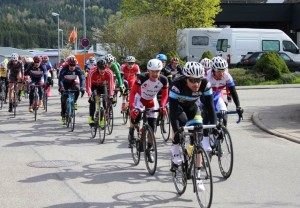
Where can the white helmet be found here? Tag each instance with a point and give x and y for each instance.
(29, 59)
(109, 58)
(219, 64)
(206, 63)
(14, 56)
(193, 69)
(155, 65)
(130, 59)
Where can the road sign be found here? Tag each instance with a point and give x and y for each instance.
(85, 42)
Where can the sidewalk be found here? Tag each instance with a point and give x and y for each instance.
(279, 121)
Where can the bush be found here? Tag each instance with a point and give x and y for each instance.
(242, 77)
(288, 78)
(206, 54)
(271, 65)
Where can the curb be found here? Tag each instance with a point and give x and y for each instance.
(257, 122)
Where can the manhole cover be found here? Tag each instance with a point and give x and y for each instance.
(52, 163)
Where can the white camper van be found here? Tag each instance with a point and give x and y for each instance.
(234, 43)
(192, 42)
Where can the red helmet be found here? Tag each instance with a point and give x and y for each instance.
(72, 60)
(36, 59)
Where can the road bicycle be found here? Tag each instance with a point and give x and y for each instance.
(70, 110)
(99, 119)
(45, 99)
(3, 93)
(144, 141)
(16, 99)
(163, 122)
(109, 118)
(125, 114)
(35, 103)
(193, 155)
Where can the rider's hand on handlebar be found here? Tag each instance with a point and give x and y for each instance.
(240, 112)
(134, 113)
(163, 111)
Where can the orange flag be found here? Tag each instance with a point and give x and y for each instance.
(73, 35)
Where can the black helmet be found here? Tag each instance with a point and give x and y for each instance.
(102, 63)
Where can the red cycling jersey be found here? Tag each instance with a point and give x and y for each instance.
(95, 78)
(129, 73)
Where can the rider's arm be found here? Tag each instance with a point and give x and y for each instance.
(133, 91)
(81, 77)
(164, 92)
(234, 95)
(111, 82)
(61, 77)
(208, 101)
(116, 70)
(45, 74)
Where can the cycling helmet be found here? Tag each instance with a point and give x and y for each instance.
(102, 64)
(219, 64)
(29, 60)
(109, 58)
(14, 56)
(175, 60)
(130, 59)
(154, 64)
(36, 59)
(206, 63)
(193, 69)
(161, 57)
(2, 65)
(72, 60)
(92, 59)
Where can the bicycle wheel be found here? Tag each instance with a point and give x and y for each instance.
(26, 91)
(102, 126)
(67, 114)
(2, 99)
(150, 149)
(95, 126)
(125, 115)
(110, 120)
(14, 104)
(204, 197)
(45, 100)
(225, 153)
(72, 119)
(165, 127)
(179, 173)
(115, 97)
(136, 147)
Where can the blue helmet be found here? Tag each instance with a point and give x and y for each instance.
(161, 57)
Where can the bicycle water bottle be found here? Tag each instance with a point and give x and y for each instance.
(190, 150)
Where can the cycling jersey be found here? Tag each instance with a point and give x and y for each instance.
(37, 74)
(65, 79)
(14, 70)
(94, 78)
(129, 74)
(145, 91)
(115, 69)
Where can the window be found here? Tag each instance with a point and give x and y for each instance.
(222, 45)
(285, 57)
(289, 46)
(200, 40)
(270, 45)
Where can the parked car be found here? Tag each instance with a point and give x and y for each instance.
(250, 60)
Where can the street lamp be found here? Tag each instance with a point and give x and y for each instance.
(57, 15)
(62, 38)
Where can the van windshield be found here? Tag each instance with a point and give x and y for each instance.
(222, 45)
(290, 47)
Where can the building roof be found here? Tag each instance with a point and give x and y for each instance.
(7, 51)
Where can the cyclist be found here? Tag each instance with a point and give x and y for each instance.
(184, 93)
(144, 95)
(220, 78)
(3, 77)
(90, 63)
(174, 68)
(71, 77)
(96, 80)
(114, 67)
(15, 73)
(206, 63)
(38, 76)
(129, 71)
(45, 63)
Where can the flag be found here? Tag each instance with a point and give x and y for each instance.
(73, 35)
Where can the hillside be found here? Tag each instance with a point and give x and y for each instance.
(29, 23)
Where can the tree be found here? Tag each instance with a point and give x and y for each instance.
(184, 13)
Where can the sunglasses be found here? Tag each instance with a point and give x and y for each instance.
(72, 65)
(194, 80)
(130, 63)
(36, 62)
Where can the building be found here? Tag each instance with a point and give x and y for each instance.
(5, 52)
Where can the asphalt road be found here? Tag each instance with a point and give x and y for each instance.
(266, 167)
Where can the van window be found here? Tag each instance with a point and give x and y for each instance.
(289, 46)
(200, 40)
(285, 57)
(270, 45)
(222, 45)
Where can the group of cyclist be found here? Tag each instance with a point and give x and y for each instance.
(193, 94)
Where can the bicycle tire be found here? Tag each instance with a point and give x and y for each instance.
(204, 198)
(179, 173)
(165, 127)
(45, 101)
(35, 105)
(135, 148)
(225, 153)
(72, 120)
(2, 98)
(115, 97)
(102, 130)
(14, 104)
(67, 114)
(148, 135)
(110, 120)
(125, 115)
